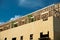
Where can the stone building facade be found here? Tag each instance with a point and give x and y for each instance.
(43, 24)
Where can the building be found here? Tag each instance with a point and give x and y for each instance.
(43, 24)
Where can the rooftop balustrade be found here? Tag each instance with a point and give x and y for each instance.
(37, 15)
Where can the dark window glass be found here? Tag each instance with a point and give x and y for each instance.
(32, 19)
(44, 36)
(15, 25)
(1, 29)
(21, 38)
(13, 38)
(41, 34)
(5, 38)
(31, 37)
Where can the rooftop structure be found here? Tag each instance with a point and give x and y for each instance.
(37, 15)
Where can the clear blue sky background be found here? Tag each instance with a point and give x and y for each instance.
(10, 8)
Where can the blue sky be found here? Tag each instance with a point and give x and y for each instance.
(10, 9)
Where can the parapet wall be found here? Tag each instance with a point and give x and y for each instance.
(52, 10)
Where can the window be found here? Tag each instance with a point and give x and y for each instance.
(37, 17)
(15, 25)
(38, 38)
(31, 37)
(1, 29)
(5, 38)
(5, 28)
(8, 26)
(21, 38)
(57, 13)
(31, 18)
(41, 34)
(24, 21)
(45, 17)
(13, 38)
(44, 36)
